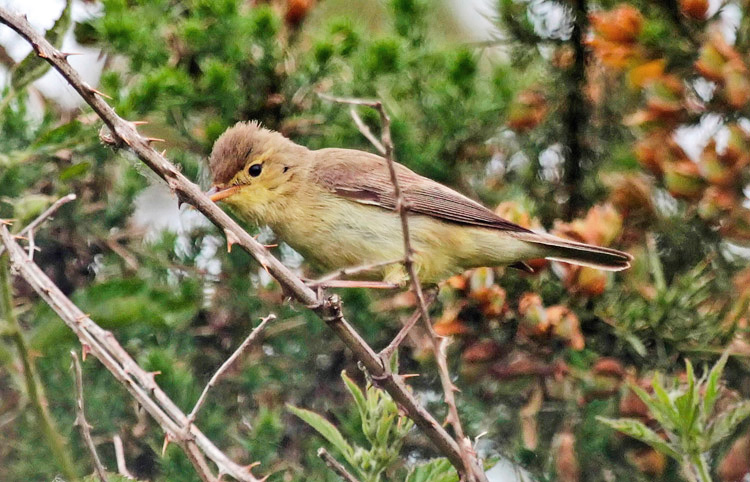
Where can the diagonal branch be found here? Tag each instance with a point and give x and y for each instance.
(122, 467)
(29, 228)
(474, 471)
(329, 309)
(81, 419)
(336, 466)
(141, 384)
(241, 350)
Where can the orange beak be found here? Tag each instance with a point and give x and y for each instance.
(216, 194)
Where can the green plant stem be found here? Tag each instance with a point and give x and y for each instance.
(34, 389)
(700, 466)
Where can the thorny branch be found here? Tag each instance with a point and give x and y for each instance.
(101, 472)
(336, 466)
(124, 133)
(241, 350)
(29, 229)
(439, 345)
(141, 384)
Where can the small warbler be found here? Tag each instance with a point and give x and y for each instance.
(337, 208)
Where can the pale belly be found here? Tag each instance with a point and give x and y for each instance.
(359, 234)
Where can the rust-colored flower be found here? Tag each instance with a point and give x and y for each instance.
(736, 463)
(527, 110)
(715, 203)
(565, 325)
(683, 179)
(645, 73)
(481, 351)
(737, 153)
(612, 54)
(621, 25)
(736, 83)
(631, 404)
(297, 10)
(648, 461)
(566, 461)
(737, 225)
(713, 169)
(491, 300)
(714, 54)
(695, 9)
(631, 195)
(608, 366)
(533, 321)
(449, 324)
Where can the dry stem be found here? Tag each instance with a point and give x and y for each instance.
(474, 471)
(122, 467)
(124, 133)
(81, 419)
(336, 466)
(141, 384)
(241, 350)
(29, 229)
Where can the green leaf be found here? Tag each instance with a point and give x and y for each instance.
(359, 397)
(660, 407)
(32, 66)
(436, 470)
(727, 422)
(384, 429)
(636, 344)
(712, 385)
(638, 430)
(687, 403)
(326, 429)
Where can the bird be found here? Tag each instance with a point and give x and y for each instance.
(337, 207)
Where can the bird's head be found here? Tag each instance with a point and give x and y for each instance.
(252, 166)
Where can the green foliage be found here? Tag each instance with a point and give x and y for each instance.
(686, 413)
(383, 427)
(437, 470)
(180, 304)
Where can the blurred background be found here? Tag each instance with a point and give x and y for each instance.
(622, 124)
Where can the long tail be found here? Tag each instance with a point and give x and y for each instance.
(567, 251)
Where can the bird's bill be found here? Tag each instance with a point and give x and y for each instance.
(217, 194)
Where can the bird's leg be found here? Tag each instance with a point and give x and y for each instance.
(333, 279)
(345, 283)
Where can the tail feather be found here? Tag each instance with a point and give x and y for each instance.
(567, 251)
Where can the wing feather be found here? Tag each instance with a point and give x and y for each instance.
(364, 178)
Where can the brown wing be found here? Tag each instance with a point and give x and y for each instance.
(364, 178)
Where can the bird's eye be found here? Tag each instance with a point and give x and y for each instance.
(255, 169)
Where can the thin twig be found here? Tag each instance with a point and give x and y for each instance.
(29, 228)
(47, 213)
(473, 470)
(122, 467)
(81, 419)
(141, 384)
(32, 246)
(124, 133)
(241, 350)
(336, 466)
(386, 352)
(365, 131)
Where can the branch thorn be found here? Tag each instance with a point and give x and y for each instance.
(99, 92)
